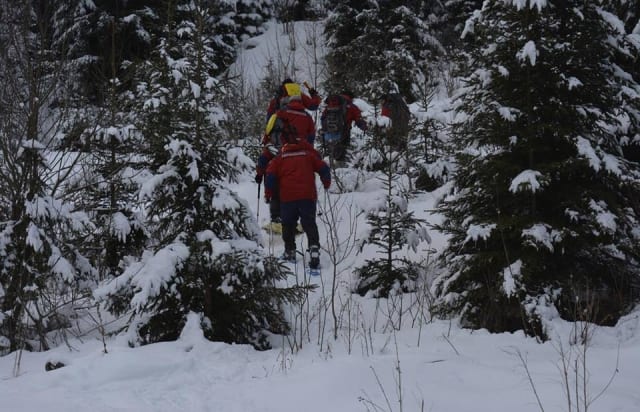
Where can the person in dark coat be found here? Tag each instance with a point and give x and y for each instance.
(396, 130)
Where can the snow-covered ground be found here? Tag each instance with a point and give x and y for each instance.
(438, 367)
(427, 365)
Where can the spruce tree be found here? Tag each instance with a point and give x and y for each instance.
(624, 19)
(42, 268)
(250, 16)
(540, 220)
(343, 60)
(111, 175)
(96, 34)
(379, 48)
(620, 16)
(628, 11)
(456, 14)
(393, 230)
(207, 258)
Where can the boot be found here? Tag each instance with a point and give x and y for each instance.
(289, 256)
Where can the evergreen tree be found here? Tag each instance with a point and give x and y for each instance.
(42, 268)
(383, 47)
(207, 258)
(287, 11)
(100, 35)
(250, 17)
(452, 25)
(103, 38)
(628, 11)
(541, 217)
(109, 183)
(627, 77)
(431, 149)
(341, 28)
(622, 17)
(393, 229)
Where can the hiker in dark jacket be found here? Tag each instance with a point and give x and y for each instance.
(290, 124)
(351, 114)
(293, 171)
(396, 125)
(290, 89)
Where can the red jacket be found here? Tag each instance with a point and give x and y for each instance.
(295, 115)
(294, 170)
(301, 122)
(353, 114)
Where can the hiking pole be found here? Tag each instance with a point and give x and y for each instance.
(318, 208)
(258, 214)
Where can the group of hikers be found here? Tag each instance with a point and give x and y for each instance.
(289, 161)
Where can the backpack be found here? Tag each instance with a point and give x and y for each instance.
(277, 98)
(399, 114)
(280, 131)
(334, 118)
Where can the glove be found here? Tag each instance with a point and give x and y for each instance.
(258, 179)
(313, 92)
(267, 200)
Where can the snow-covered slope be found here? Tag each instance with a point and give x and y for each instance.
(295, 50)
(427, 365)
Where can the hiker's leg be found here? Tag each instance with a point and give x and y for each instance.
(289, 215)
(397, 141)
(307, 209)
(340, 148)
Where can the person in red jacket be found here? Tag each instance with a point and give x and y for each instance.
(351, 114)
(293, 170)
(290, 89)
(290, 124)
